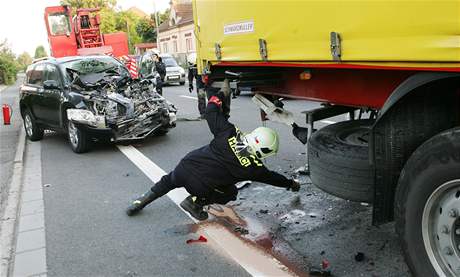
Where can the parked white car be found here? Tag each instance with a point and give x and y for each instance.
(174, 73)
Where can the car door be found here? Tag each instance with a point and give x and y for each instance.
(52, 96)
(33, 91)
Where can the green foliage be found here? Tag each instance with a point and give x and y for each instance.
(127, 21)
(8, 65)
(162, 17)
(40, 52)
(23, 61)
(146, 30)
(103, 4)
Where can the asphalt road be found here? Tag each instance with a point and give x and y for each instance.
(88, 234)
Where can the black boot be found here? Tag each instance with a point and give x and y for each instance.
(194, 207)
(142, 201)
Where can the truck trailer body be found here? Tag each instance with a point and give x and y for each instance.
(400, 60)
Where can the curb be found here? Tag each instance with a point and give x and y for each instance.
(10, 216)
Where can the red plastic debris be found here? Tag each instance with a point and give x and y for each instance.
(325, 264)
(200, 239)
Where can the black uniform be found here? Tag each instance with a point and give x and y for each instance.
(160, 67)
(212, 171)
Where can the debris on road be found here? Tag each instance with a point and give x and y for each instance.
(242, 185)
(313, 215)
(200, 239)
(263, 211)
(303, 170)
(47, 185)
(296, 202)
(241, 230)
(359, 257)
(319, 273)
(324, 264)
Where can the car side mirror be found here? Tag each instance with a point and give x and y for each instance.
(50, 84)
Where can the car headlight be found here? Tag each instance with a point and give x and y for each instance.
(172, 118)
(86, 117)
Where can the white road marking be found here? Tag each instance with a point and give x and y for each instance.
(253, 260)
(327, 121)
(189, 97)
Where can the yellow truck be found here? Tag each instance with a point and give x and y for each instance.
(397, 61)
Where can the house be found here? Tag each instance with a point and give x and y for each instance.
(141, 48)
(176, 35)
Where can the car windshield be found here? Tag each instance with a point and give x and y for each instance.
(169, 62)
(96, 65)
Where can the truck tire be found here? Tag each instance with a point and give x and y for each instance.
(33, 131)
(338, 158)
(427, 207)
(78, 138)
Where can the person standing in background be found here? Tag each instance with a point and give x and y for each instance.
(200, 89)
(160, 68)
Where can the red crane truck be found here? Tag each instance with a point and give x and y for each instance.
(81, 35)
(398, 60)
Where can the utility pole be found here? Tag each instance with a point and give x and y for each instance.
(156, 25)
(127, 32)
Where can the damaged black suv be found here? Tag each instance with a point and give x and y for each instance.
(91, 98)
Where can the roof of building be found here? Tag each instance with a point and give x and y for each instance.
(138, 12)
(184, 15)
(145, 45)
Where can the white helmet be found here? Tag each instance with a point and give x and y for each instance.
(262, 142)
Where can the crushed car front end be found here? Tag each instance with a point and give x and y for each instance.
(111, 104)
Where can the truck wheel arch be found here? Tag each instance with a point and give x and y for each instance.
(410, 116)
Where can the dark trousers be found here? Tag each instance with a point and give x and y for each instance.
(177, 179)
(159, 86)
(201, 101)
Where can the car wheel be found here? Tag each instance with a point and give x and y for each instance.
(427, 207)
(78, 138)
(182, 83)
(338, 159)
(33, 132)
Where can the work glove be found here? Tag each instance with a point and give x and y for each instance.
(190, 87)
(295, 186)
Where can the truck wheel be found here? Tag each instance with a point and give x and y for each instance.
(78, 138)
(338, 157)
(427, 207)
(33, 132)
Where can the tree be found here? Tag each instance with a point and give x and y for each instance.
(127, 21)
(162, 17)
(8, 65)
(40, 52)
(103, 4)
(23, 61)
(146, 30)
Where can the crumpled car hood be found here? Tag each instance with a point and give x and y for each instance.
(132, 108)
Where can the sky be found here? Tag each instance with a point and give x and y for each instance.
(23, 25)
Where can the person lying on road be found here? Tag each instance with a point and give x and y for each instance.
(210, 173)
